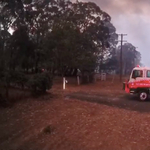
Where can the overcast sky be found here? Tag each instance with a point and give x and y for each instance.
(131, 17)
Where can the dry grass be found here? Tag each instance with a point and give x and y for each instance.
(76, 125)
(109, 87)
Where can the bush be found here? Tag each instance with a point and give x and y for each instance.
(3, 101)
(13, 77)
(40, 82)
(19, 78)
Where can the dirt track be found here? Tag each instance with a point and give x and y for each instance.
(125, 102)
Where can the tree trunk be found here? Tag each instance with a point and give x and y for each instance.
(7, 90)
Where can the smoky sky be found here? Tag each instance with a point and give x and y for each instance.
(131, 17)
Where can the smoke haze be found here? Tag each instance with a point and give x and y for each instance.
(131, 17)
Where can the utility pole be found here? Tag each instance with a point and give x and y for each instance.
(122, 35)
(134, 55)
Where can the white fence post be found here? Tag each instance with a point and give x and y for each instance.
(64, 83)
(78, 76)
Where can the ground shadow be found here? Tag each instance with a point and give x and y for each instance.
(124, 102)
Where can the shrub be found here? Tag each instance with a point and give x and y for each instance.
(19, 78)
(3, 101)
(40, 82)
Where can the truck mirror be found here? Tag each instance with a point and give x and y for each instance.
(134, 77)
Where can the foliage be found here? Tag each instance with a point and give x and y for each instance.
(54, 35)
(40, 82)
(131, 57)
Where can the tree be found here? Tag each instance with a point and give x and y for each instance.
(96, 24)
(131, 57)
(55, 35)
(21, 50)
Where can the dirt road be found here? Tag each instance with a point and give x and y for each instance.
(74, 125)
(125, 102)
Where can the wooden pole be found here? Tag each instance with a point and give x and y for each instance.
(78, 80)
(64, 83)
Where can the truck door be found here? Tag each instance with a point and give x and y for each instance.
(137, 75)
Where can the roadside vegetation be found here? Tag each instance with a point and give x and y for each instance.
(41, 39)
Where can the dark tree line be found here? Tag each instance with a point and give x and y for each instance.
(131, 58)
(54, 34)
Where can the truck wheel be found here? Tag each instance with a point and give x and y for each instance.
(143, 96)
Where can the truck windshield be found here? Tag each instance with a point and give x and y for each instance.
(137, 73)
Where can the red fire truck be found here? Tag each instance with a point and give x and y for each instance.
(138, 83)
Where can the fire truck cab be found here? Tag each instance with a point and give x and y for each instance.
(139, 82)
